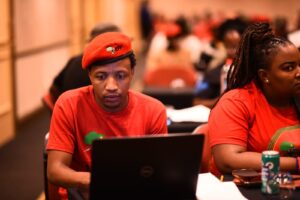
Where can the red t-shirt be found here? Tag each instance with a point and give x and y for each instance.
(76, 113)
(244, 117)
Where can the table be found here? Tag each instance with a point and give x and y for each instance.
(251, 193)
(183, 127)
(254, 192)
(177, 97)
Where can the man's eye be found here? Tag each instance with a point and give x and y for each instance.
(121, 76)
(101, 76)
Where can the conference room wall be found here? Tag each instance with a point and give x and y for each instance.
(36, 40)
(41, 37)
(7, 126)
(270, 8)
(46, 33)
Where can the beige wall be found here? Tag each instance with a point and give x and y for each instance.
(6, 88)
(41, 30)
(171, 8)
(47, 33)
(123, 13)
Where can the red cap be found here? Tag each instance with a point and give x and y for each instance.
(106, 48)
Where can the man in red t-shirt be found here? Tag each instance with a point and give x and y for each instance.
(107, 108)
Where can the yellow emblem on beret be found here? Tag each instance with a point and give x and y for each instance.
(111, 49)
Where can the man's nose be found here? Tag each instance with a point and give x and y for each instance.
(111, 83)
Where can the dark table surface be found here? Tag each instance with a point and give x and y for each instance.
(182, 127)
(250, 192)
(177, 97)
(254, 192)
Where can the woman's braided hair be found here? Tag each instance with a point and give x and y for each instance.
(257, 45)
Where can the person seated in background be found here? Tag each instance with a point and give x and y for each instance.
(294, 36)
(186, 45)
(72, 75)
(173, 63)
(173, 55)
(228, 34)
(189, 41)
(106, 108)
(280, 26)
(257, 111)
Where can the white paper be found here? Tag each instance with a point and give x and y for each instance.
(211, 188)
(197, 113)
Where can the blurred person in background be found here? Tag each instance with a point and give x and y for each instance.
(280, 26)
(228, 36)
(294, 36)
(146, 23)
(174, 54)
(166, 32)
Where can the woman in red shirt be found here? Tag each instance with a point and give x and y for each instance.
(257, 111)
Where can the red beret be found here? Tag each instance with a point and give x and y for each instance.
(106, 48)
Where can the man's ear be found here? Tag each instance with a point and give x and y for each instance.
(263, 76)
(89, 72)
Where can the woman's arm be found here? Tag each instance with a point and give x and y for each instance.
(228, 157)
(59, 172)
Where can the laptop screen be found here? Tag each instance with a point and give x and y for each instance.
(148, 167)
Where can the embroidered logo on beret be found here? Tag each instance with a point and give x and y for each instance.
(106, 47)
(111, 49)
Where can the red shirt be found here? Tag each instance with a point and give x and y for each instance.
(76, 114)
(244, 117)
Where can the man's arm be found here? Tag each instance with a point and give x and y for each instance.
(228, 157)
(59, 172)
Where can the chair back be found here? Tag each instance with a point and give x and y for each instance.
(173, 76)
(51, 191)
(206, 154)
(48, 101)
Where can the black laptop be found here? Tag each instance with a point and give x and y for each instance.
(148, 167)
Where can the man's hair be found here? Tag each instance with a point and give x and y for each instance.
(132, 60)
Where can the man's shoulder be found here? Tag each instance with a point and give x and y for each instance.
(76, 58)
(76, 94)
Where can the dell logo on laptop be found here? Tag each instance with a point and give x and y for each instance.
(146, 171)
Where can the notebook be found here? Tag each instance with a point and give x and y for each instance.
(147, 167)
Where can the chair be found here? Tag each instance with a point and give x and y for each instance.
(48, 101)
(171, 76)
(51, 191)
(206, 156)
(171, 85)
